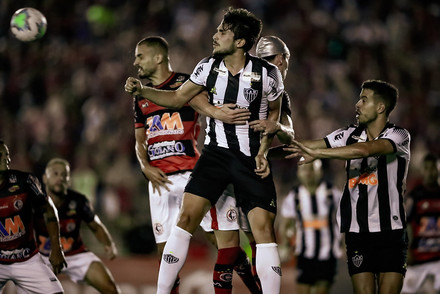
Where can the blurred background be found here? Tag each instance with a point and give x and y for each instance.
(63, 95)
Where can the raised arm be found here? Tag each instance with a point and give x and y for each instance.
(174, 99)
(227, 113)
(103, 236)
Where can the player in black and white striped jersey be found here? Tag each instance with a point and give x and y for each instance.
(371, 211)
(233, 153)
(309, 216)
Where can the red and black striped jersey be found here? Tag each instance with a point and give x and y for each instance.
(424, 219)
(171, 134)
(372, 200)
(20, 195)
(75, 209)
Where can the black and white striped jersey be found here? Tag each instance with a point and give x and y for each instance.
(372, 200)
(253, 87)
(317, 233)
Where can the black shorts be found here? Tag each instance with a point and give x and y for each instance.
(217, 167)
(311, 271)
(379, 252)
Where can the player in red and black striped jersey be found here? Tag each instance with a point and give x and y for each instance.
(73, 209)
(371, 212)
(423, 207)
(21, 196)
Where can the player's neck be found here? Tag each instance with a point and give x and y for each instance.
(375, 127)
(161, 75)
(235, 61)
(57, 199)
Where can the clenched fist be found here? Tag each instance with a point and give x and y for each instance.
(133, 86)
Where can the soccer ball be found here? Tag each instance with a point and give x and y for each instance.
(28, 24)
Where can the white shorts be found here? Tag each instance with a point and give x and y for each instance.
(165, 209)
(417, 274)
(77, 265)
(30, 276)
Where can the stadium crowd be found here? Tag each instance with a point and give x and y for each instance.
(63, 95)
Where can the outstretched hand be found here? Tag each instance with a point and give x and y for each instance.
(263, 169)
(133, 86)
(230, 114)
(298, 149)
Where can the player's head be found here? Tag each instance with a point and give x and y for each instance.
(57, 176)
(244, 25)
(430, 170)
(274, 50)
(150, 53)
(310, 174)
(383, 92)
(5, 159)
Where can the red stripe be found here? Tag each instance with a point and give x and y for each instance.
(214, 224)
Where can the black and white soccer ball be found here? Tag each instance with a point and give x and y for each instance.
(28, 24)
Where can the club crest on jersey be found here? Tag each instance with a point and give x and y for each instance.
(169, 258)
(18, 204)
(158, 229)
(357, 260)
(231, 215)
(250, 94)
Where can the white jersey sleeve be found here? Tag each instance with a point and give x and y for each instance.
(339, 137)
(273, 86)
(201, 71)
(400, 138)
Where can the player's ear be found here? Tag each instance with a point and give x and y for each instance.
(240, 42)
(381, 107)
(159, 58)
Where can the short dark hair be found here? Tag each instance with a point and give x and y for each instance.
(155, 41)
(387, 92)
(244, 24)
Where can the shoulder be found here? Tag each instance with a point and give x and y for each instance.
(77, 196)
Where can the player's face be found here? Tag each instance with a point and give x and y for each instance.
(144, 60)
(366, 107)
(223, 42)
(284, 66)
(57, 178)
(309, 174)
(5, 160)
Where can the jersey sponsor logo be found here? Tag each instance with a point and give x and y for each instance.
(339, 136)
(359, 139)
(165, 149)
(176, 85)
(316, 223)
(220, 71)
(13, 179)
(364, 179)
(169, 258)
(15, 254)
(165, 125)
(14, 188)
(198, 71)
(213, 91)
(357, 260)
(66, 244)
(12, 229)
(250, 94)
(251, 76)
(277, 270)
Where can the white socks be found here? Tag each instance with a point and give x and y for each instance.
(269, 267)
(173, 258)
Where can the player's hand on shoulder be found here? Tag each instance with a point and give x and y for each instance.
(133, 86)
